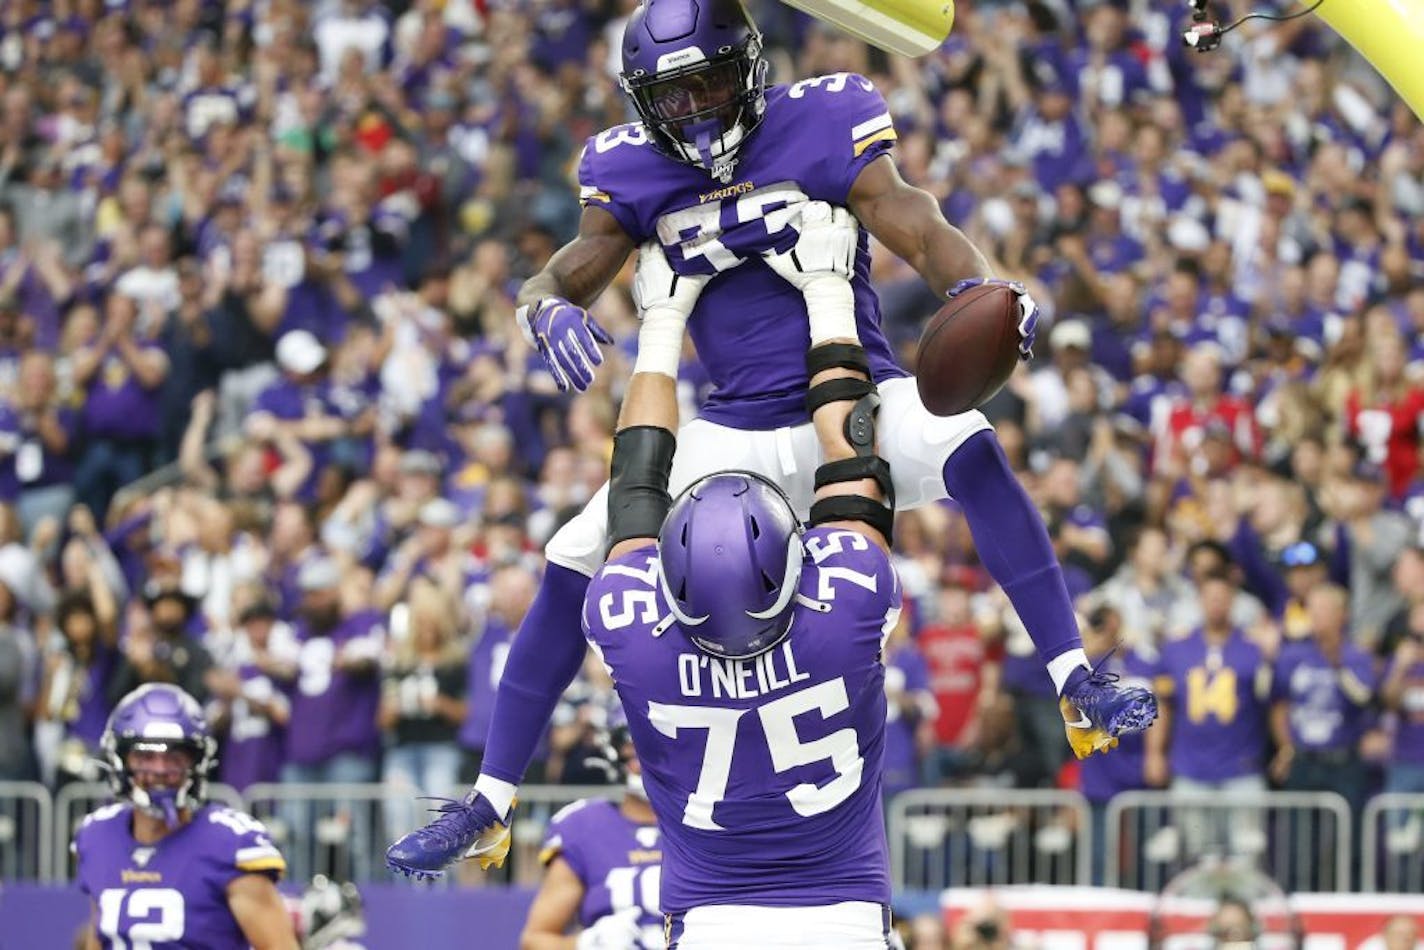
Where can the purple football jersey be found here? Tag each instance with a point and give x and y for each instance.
(618, 861)
(1219, 708)
(749, 325)
(255, 746)
(1409, 736)
(172, 894)
(334, 710)
(1322, 717)
(768, 768)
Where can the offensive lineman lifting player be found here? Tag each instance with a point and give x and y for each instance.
(731, 180)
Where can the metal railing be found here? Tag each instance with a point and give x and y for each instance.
(949, 837)
(1392, 847)
(938, 838)
(77, 799)
(26, 830)
(1303, 840)
(342, 830)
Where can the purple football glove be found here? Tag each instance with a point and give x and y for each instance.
(1028, 310)
(567, 338)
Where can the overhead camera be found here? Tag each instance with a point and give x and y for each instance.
(1204, 35)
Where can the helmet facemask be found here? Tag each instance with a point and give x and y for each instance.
(703, 112)
(162, 778)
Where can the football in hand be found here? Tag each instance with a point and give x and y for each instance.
(968, 349)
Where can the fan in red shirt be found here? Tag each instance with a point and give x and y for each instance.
(959, 660)
(1182, 429)
(1385, 411)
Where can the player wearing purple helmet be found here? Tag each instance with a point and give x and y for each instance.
(603, 864)
(165, 870)
(720, 172)
(746, 648)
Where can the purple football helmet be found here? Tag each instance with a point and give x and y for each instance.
(695, 73)
(729, 558)
(153, 722)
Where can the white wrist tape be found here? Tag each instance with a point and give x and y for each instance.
(830, 302)
(660, 341)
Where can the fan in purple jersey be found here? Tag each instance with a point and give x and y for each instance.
(162, 868)
(721, 173)
(603, 863)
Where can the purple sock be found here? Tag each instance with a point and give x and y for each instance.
(1013, 543)
(543, 660)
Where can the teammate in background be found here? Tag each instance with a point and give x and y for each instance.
(603, 867)
(719, 173)
(163, 869)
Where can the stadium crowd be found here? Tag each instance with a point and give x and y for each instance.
(268, 429)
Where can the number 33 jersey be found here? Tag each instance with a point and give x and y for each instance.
(171, 894)
(749, 325)
(764, 773)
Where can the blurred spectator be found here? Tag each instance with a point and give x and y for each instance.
(1402, 693)
(910, 710)
(333, 733)
(963, 674)
(1368, 539)
(1101, 777)
(511, 590)
(45, 443)
(1322, 693)
(74, 699)
(263, 655)
(423, 704)
(1401, 932)
(1213, 687)
(1153, 600)
(19, 663)
(121, 369)
(985, 927)
(157, 647)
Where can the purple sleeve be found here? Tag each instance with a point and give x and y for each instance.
(242, 846)
(543, 660)
(857, 119)
(601, 179)
(1260, 578)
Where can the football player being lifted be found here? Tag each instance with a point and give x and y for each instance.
(163, 868)
(731, 180)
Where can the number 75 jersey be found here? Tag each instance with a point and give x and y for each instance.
(764, 773)
(749, 325)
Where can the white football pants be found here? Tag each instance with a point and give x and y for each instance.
(915, 442)
(851, 925)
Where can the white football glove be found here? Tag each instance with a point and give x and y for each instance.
(820, 265)
(665, 300)
(618, 931)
